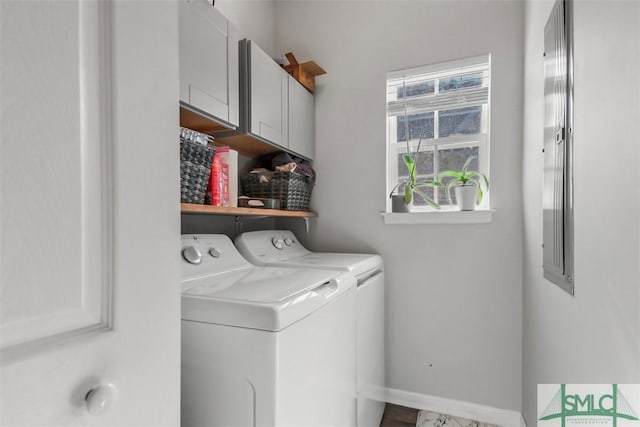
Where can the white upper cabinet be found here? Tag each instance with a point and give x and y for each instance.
(301, 119)
(276, 112)
(208, 61)
(268, 97)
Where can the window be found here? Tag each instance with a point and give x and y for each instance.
(444, 110)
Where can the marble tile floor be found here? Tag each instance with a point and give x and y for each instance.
(401, 416)
(434, 419)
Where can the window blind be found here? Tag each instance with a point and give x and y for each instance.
(420, 90)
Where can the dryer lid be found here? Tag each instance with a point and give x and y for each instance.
(282, 248)
(356, 264)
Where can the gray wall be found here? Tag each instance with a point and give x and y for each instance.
(594, 336)
(454, 304)
(254, 20)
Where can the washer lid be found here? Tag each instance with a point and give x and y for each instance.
(265, 298)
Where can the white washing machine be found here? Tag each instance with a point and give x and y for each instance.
(282, 248)
(264, 346)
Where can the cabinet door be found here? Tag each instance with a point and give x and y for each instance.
(268, 90)
(233, 73)
(208, 60)
(301, 120)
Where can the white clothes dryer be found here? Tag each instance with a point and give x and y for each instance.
(281, 248)
(264, 346)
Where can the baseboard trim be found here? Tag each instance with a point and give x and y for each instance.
(473, 411)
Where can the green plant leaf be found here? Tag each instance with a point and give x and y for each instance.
(450, 173)
(447, 189)
(408, 160)
(428, 182)
(479, 194)
(472, 174)
(482, 178)
(395, 187)
(427, 199)
(411, 166)
(467, 163)
(408, 194)
(486, 180)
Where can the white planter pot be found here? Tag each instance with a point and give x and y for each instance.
(466, 197)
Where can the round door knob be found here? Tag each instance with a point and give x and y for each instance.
(101, 398)
(192, 255)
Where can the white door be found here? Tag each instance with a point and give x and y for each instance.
(89, 215)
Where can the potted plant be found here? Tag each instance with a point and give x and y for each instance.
(468, 185)
(412, 185)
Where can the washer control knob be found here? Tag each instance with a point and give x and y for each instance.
(192, 255)
(288, 242)
(277, 243)
(214, 252)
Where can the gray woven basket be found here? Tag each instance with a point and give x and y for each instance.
(291, 188)
(195, 169)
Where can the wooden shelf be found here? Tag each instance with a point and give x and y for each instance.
(221, 210)
(243, 143)
(196, 120)
(247, 145)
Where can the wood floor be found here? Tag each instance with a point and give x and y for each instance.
(399, 416)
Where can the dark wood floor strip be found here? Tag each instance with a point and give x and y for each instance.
(399, 416)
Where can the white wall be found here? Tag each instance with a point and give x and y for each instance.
(254, 20)
(593, 337)
(454, 330)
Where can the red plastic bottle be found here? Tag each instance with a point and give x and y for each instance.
(216, 175)
(224, 196)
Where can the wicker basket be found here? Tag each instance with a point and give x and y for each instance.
(292, 189)
(195, 169)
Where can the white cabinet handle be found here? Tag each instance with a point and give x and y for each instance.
(101, 398)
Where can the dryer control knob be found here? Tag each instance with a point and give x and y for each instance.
(288, 242)
(277, 243)
(192, 255)
(214, 252)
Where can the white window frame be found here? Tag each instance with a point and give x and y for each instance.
(481, 140)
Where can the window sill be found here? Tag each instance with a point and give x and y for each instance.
(439, 217)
